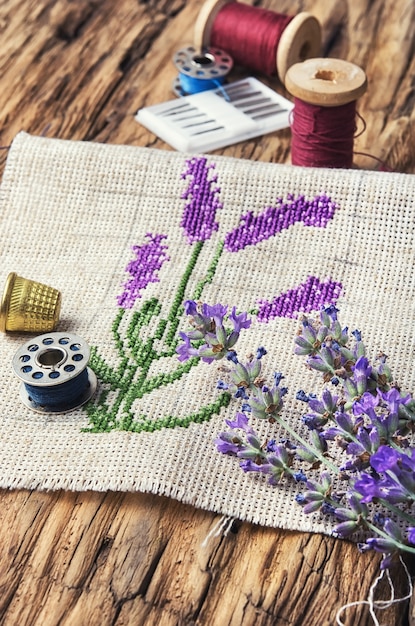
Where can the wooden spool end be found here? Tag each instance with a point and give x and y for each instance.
(326, 82)
(205, 21)
(301, 40)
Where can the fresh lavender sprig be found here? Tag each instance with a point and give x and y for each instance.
(208, 326)
(367, 420)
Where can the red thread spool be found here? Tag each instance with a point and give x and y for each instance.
(258, 39)
(323, 126)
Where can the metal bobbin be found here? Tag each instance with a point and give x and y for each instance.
(210, 64)
(52, 364)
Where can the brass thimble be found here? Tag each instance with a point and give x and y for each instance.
(29, 306)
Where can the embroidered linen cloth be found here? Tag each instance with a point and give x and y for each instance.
(127, 235)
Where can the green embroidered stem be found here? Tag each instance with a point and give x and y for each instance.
(104, 372)
(131, 381)
(203, 415)
(173, 315)
(116, 333)
(150, 309)
(164, 379)
(104, 420)
(210, 272)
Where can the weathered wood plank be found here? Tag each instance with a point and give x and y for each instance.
(134, 559)
(82, 73)
(80, 70)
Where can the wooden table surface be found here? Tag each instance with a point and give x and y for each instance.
(80, 69)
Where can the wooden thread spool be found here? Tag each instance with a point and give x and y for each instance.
(325, 93)
(300, 39)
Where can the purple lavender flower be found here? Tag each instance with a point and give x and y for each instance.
(366, 405)
(255, 228)
(245, 377)
(266, 402)
(394, 480)
(385, 459)
(231, 442)
(185, 350)
(275, 465)
(388, 547)
(241, 421)
(321, 410)
(216, 311)
(345, 426)
(350, 518)
(328, 333)
(316, 494)
(306, 297)
(362, 371)
(399, 406)
(248, 465)
(368, 487)
(252, 449)
(378, 414)
(239, 321)
(143, 269)
(317, 444)
(207, 323)
(198, 220)
(228, 443)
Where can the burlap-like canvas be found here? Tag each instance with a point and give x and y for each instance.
(70, 214)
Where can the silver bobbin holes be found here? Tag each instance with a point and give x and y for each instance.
(50, 360)
(209, 64)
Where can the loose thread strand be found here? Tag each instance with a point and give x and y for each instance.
(379, 604)
(222, 527)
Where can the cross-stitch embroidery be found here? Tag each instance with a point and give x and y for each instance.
(149, 334)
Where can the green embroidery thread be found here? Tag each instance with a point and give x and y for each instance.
(137, 339)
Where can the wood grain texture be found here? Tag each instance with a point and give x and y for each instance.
(134, 559)
(80, 69)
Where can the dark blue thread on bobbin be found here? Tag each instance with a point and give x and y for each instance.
(54, 373)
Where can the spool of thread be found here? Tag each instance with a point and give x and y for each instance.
(54, 373)
(324, 115)
(258, 39)
(200, 71)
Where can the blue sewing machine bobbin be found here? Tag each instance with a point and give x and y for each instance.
(54, 373)
(200, 71)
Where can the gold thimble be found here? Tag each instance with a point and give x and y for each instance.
(28, 306)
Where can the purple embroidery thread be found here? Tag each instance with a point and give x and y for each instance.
(143, 269)
(198, 219)
(308, 296)
(255, 228)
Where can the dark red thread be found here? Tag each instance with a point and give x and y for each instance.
(249, 35)
(323, 136)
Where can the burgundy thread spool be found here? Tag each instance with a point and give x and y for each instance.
(258, 39)
(324, 115)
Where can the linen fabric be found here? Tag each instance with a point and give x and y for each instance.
(272, 240)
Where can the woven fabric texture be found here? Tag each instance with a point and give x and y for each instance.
(127, 234)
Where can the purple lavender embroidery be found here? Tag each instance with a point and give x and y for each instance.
(143, 269)
(308, 296)
(199, 213)
(255, 228)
